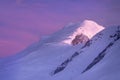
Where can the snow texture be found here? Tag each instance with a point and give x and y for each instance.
(54, 58)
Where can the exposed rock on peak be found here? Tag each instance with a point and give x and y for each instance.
(80, 39)
(87, 28)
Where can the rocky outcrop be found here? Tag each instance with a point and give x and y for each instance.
(80, 39)
(63, 65)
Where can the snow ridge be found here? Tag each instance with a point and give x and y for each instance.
(87, 27)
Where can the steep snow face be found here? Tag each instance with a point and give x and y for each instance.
(88, 28)
(98, 60)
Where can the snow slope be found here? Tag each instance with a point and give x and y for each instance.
(93, 62)
(54, 59)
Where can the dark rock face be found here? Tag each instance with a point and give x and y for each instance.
(63, 65)
(87, 44)
(80, 39)
(116, 36)
(98, 58)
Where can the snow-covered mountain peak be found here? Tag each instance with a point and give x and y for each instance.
(80, 30)
(97, 59)
(88, 27)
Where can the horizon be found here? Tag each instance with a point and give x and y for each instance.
(24, 22)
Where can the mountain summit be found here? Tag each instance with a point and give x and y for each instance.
(88, 28)
(96, 59)
(68, 33)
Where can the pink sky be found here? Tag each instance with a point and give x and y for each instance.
(23, 22)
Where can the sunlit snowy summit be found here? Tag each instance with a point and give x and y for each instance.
(79, 51)
(78, 30)
(87, 28)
